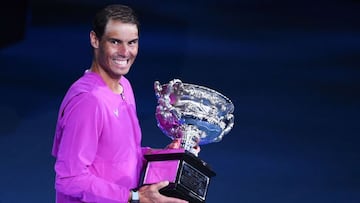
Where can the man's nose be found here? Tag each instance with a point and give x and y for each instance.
(123, 50)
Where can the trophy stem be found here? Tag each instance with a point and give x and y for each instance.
(189, 138)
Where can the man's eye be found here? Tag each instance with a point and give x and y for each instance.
(114, 42)
(133, 42)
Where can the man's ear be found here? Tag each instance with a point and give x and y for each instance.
(94, 40)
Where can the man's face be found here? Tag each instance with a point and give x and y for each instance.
(117, 49)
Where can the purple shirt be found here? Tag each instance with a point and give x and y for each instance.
(97, 143)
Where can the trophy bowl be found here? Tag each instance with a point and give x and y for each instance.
(195, 114)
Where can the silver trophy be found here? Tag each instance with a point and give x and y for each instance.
(192, 113)
(196, 115)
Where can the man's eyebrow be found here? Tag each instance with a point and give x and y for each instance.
(119, 40)
(136, 39)
(114, 39)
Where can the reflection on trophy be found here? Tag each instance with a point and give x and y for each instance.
(196, 115)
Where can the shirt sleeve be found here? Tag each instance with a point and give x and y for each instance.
(80, 127)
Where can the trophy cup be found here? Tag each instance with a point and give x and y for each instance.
(196, 115)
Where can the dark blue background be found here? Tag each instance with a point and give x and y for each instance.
(291, 69)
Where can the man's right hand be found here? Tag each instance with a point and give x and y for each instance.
(151, 194)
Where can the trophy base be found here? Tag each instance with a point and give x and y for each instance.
(188, 176)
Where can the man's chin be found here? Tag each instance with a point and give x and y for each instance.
(122, 72)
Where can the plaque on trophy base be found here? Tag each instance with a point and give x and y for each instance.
(188, 176)
(195, 115)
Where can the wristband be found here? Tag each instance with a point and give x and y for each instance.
(135, 196)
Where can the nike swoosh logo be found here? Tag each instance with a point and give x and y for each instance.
(116, 112)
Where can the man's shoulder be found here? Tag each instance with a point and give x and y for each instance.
(86, 84)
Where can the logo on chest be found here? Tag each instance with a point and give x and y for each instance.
(116, 112)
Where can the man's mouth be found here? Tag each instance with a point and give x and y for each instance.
(121, 62)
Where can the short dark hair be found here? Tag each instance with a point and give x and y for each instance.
(113, 12)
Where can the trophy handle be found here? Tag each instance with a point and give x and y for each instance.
(229, 125)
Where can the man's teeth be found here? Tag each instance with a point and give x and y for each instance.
(121, 62)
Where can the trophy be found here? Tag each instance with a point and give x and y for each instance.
(196, 115)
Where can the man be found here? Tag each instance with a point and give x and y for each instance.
(97, 140)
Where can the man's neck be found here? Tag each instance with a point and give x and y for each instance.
(112, 83)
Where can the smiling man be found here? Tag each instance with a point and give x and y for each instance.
(97, 142)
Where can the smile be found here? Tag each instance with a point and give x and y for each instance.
(120, 62)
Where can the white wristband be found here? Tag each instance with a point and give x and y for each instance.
(135, 196)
